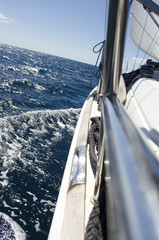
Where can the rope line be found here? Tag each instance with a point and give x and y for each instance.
(96, 226)
(98, 45)
(99, 51)
(93, 138)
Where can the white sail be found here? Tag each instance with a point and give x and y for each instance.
(144, 31)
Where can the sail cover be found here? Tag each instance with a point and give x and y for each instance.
(144, 30)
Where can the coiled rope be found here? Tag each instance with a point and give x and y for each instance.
(96, 227)
(99, 51)
(93, 139)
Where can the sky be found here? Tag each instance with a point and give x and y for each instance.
(63, 28)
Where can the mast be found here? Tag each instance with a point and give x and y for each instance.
(114, 48)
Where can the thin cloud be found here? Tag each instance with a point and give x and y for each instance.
(4, 19)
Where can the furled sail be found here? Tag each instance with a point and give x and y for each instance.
(145, 28)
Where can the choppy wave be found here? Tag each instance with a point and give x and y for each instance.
(23, 138)
(16, 84)
(31, 146)
(40, 100)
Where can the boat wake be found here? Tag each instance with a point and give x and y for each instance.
(33, 144)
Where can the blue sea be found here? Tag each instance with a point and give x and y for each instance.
(40, 100)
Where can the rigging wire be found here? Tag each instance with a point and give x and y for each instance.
(99, 51)
(127, 65)
(140, 41)
(147, 33)
(152, 41)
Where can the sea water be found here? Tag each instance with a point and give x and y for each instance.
(40, 100)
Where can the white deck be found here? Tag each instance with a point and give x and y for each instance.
(65, 224)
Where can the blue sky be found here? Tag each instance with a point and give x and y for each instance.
(63, 28)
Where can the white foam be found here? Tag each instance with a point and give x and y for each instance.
(34, 197)
(12, 68)
(13, 214)
(3, 176)
(4, 182)
(19, 232)
(6, 57)
(52, 210)
(7, 206)
(57, 134)
(14, 146)
(42, 112)
(37, 226)
(39, 87)
(48, 202)
(17, 200)
(22, 221)
(31, 69)
(61, 124)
